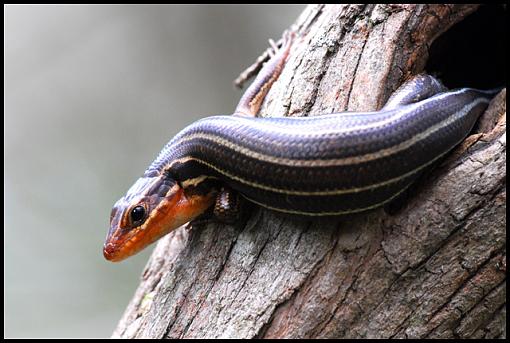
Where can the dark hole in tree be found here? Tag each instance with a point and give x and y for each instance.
(472, 52)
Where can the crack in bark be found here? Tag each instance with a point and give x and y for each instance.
(351, 86)
(459, 289)
(330, 53)
(423, 264)
(491, 319)
(314, 16)
(314, 270)
(178, 311)
(340, 302)
(208, 291)
(481, 302)
(254, 263)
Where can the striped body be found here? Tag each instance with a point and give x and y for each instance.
(333, 164)
(326, 165)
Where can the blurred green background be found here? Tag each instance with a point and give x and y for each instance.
(92, 93)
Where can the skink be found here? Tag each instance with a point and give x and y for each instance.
(334, 164)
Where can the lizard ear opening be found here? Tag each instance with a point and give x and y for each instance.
(471, 53)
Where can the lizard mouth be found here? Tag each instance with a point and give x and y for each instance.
(110, 252)
(115, 252)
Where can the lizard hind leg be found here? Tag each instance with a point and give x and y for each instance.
(419, 87)
(252, 99)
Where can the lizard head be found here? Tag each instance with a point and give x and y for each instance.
(154, 206)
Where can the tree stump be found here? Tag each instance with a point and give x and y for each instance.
(435, 268)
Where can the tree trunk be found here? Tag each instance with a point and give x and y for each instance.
(436, 268)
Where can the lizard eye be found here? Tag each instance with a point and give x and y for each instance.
(137, 215)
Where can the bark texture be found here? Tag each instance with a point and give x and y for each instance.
(436, 268)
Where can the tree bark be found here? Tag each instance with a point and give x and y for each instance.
(436, 268)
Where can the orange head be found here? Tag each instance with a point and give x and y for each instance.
(153, 206)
